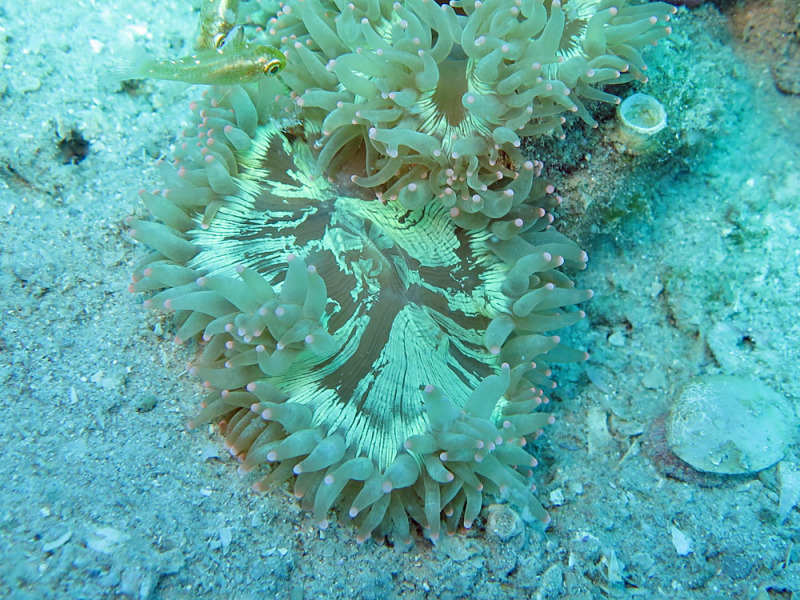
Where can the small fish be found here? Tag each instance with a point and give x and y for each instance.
(234, 62)
(217, 18)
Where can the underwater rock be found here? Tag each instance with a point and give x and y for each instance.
(770, 32)
(787, 70)
(730, 425)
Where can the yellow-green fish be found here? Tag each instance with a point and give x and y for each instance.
(217, 18)
(234, 62)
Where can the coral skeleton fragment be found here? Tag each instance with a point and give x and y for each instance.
(368, 260)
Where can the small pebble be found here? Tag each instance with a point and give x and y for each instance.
(557, 497)
(682, 543)
(503, 521)
(617, 339)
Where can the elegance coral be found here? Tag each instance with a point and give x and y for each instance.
(385, 348)
(437, 96)
(389, 365)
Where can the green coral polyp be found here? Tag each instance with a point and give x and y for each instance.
(447, 91)
(367, 259)
(388, 360)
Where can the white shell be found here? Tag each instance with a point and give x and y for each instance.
(730, 425)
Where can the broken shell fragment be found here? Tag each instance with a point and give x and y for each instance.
(730, 425)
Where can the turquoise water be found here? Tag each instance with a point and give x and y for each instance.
(693, 250)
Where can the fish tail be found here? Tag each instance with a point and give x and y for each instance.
(129, 62)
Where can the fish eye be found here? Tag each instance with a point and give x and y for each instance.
(218, 40)
(274, 68)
